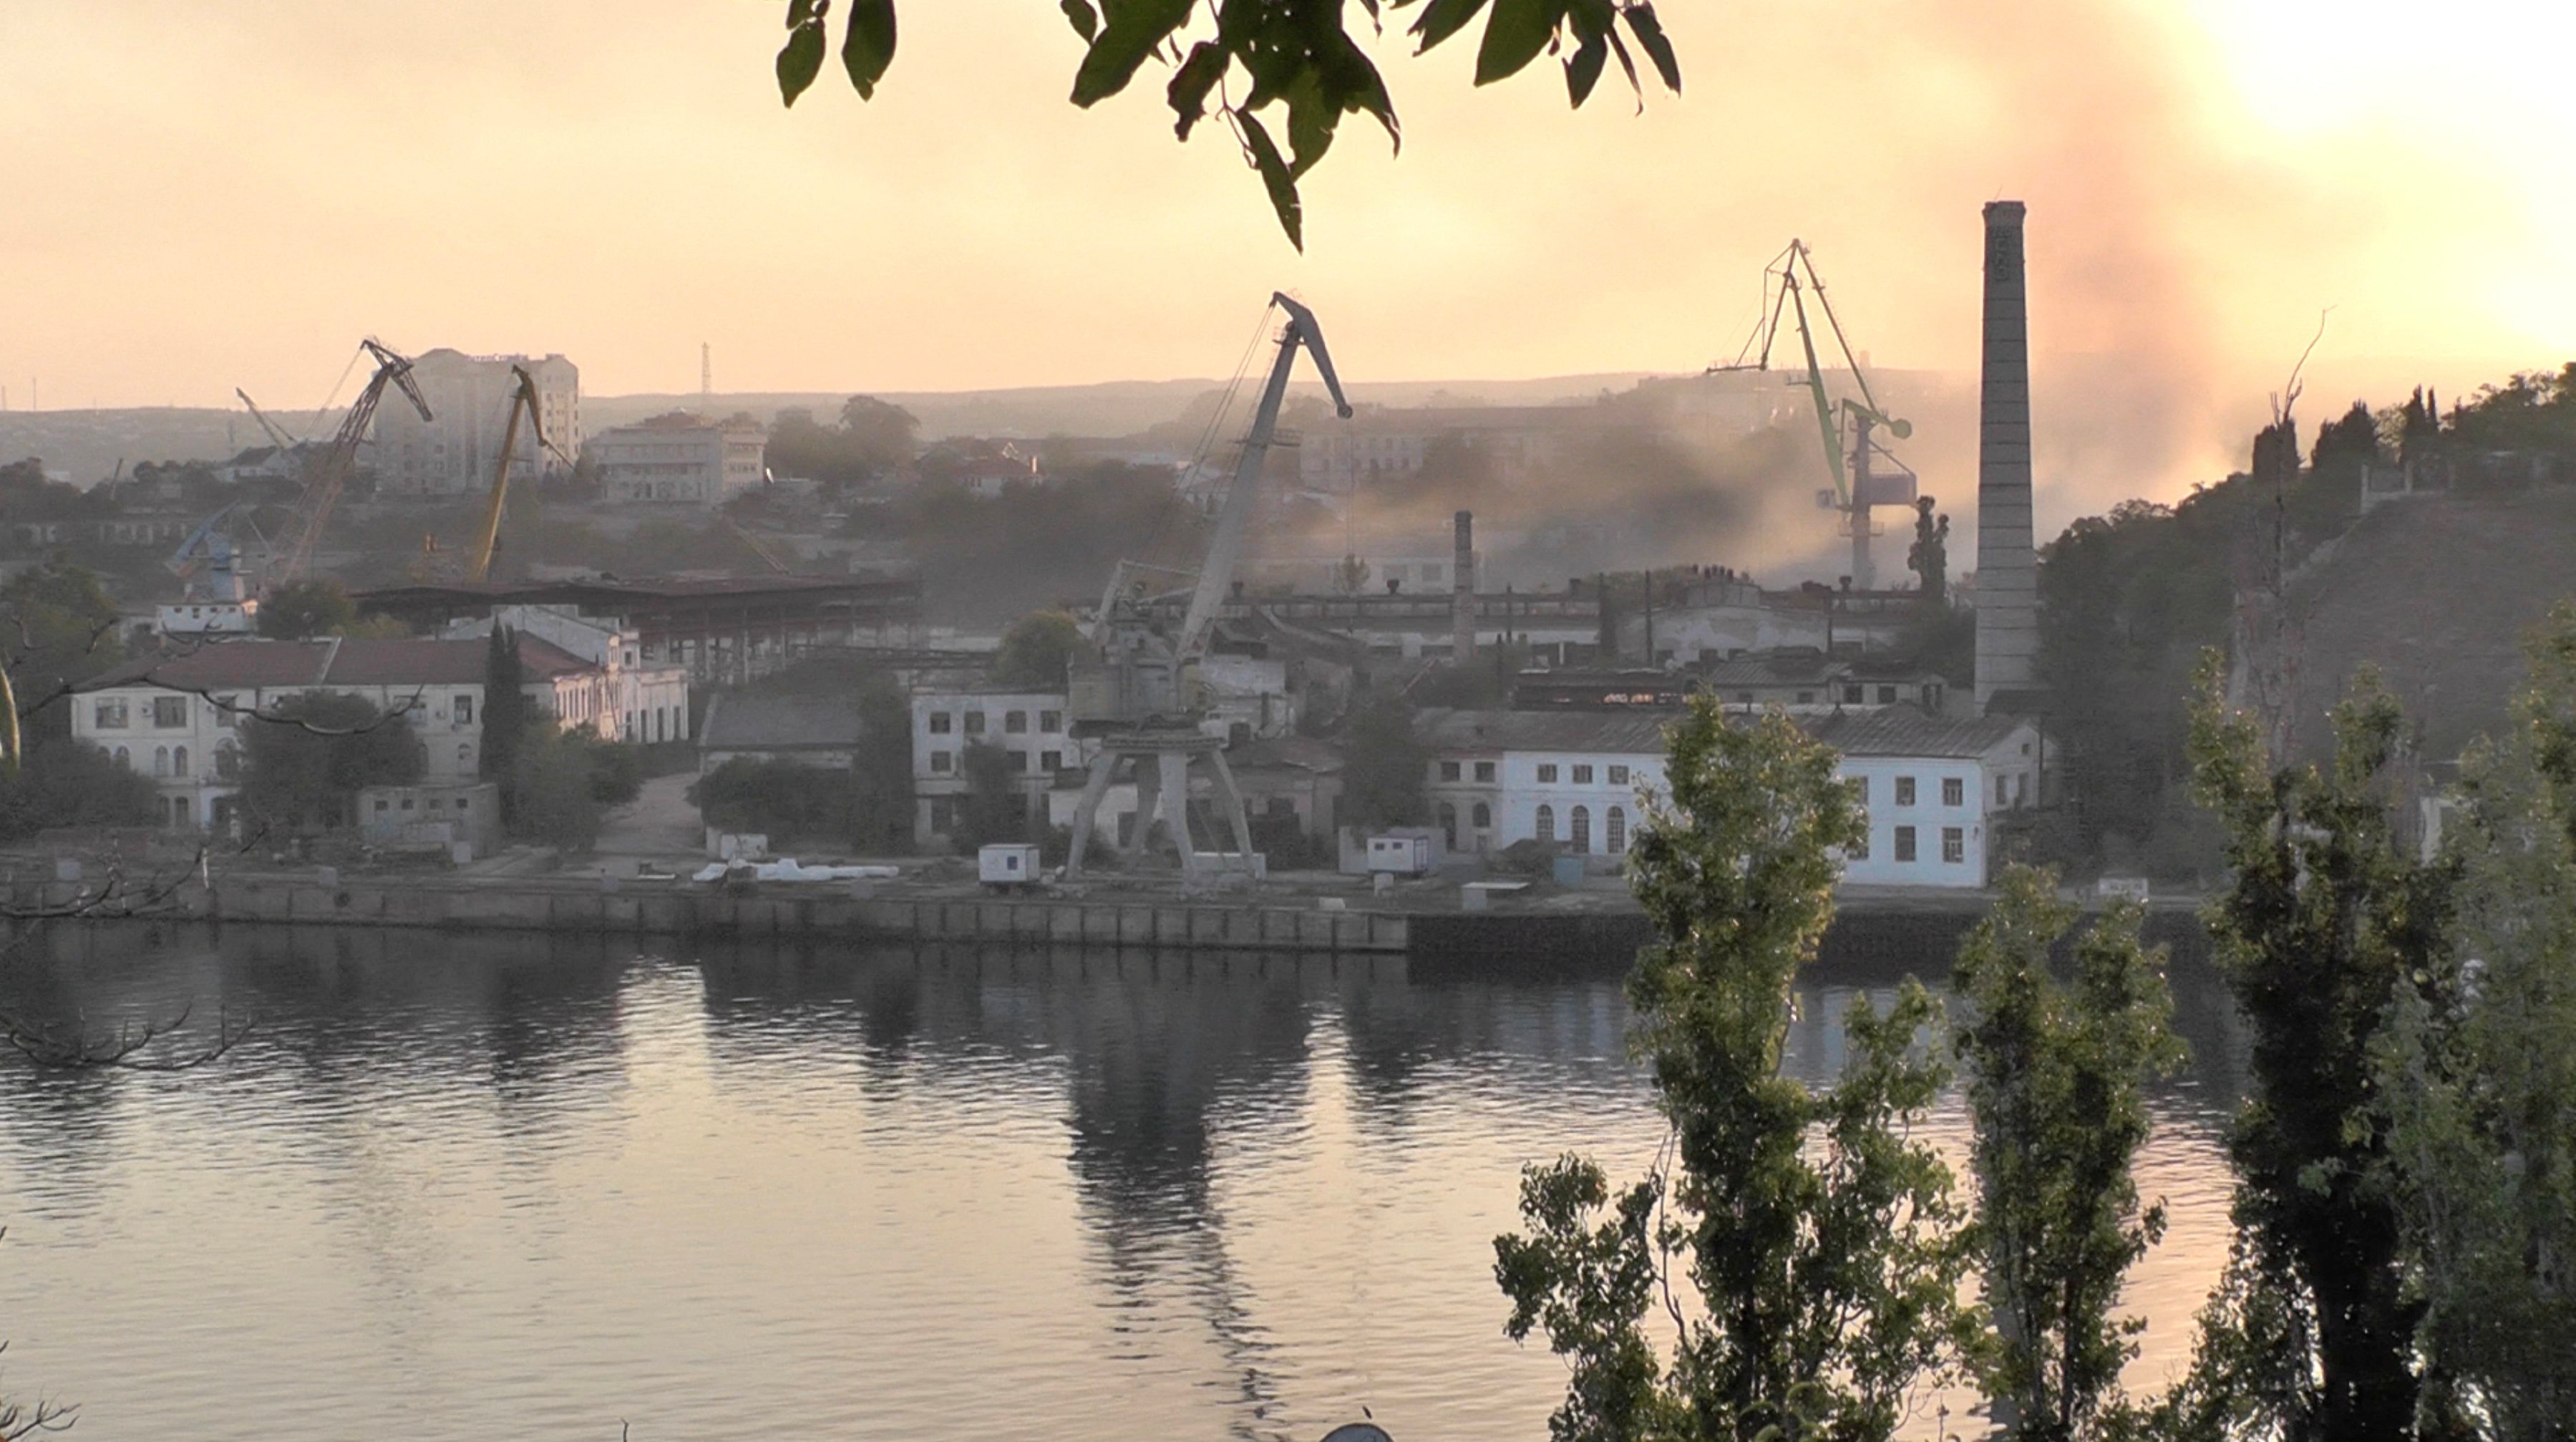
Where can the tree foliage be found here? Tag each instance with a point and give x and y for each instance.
(60, 630)
(62, 782)
(1382, 767)
(309, 754)
(506, 712)
(870, 438)
(1816, 1236)
(554, 785)
(1264, 63)
(2327, 921)
(2056, 1079)
(2476, 1076)
(1037, 650)
(301, 610)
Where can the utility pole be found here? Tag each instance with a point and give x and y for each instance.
(706, 379)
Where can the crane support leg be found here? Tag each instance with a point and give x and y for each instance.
(1175, 766)
(1087, 811)
(1230, 802)
(1149, 799)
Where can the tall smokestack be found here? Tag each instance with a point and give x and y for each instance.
(1462, 600)
(2007, 574)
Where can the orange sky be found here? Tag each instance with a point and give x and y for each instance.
(210, 196)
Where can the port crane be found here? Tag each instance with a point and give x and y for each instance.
(1859, 485)
(523, 401)
(1134, 682)
(278, 436)
(327, 473)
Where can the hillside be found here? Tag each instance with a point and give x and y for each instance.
(2439, 593)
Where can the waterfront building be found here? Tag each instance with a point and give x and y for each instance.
(1932, 787)
(639, 701)
(182, 719)
(680, 459)
(1028, 727)
(455, 452)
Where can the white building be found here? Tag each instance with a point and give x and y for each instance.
(1930, 786)
(636, 701)
(1027, 726)
(182, 719)
(680, 459)
(455, 452)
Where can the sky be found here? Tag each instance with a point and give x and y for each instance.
(212, 196)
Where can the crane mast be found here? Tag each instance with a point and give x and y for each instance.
(487, 537)
(328, 473)
(1134, 686)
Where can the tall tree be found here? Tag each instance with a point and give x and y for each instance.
(1383, 766)
(2326, 919)
(301, 610)
(1036, 650)
(1814, 1231)
(2056, 1081)
(505, 706)
(308, 755)
(2476, 1077)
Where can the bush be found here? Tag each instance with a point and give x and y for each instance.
(64, 783)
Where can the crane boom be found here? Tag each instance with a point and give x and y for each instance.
(523, 397)
(277, 434)
(1235, 512)
(329, 472)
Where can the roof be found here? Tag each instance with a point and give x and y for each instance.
(335, 661)
(1899, 730)
(1296, 753)
(761, 721)
(1784, 667)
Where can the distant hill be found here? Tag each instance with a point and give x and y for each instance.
(2438, 592)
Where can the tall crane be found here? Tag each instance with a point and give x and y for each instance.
(1859, 486)
(327, 473)
(1134, 684)
(286, 444)
(523, 400)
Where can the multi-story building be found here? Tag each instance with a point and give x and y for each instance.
(1027, 726)
(181, 719)
(637, 701)
(456, 451)
(1574, 779)
(680, 459)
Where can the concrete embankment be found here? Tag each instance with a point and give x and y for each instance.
(1872, 934)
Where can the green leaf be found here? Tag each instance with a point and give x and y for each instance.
(1517, 31)
(1086, 22)
(1312, 119)
(801, 59)
(1443, 18)
(1191, 82)
(1274, 178)
(869, 46)
(1129, 32)
(1583, 68)
(1650, 38)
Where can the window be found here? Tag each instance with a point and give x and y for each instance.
(179, 763)
(1019, 761)
(124, 758)
(942, 761)
(1614, 831)
(1887, 695)
(1448, 770)
(1859, 849)
(2003, 790)
(170, 712)
(228, 710)
(1618, 776)
(939, 723)
(1905, 843)
(1954, 791)
(464, 710)
(1051, 722)
(1805, 697)
(464, 755)
(109, 715)
(1482, 818)
(1546, 823)
(1484, 770)
(1449, 825)
(1547, 773)
(382, 804)
(1744, 698)
(1904, 791)
(1851, 695)
(1581, 836)
(160, 760)
(974, 723)
(1954, 844)
(460, 803)
(1016, 722)
(407, 803)
(1860, 792)
(1582, 775)
(1050, 761)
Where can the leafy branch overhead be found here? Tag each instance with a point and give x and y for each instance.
(1291, 58)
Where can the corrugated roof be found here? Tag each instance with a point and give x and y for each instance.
(357, 661)
(1905, 731)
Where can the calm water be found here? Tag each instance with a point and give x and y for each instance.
(467, 1188)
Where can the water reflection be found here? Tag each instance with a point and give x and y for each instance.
(471, 1183)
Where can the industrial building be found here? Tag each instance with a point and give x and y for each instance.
(680, 459)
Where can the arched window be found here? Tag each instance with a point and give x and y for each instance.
(124, 758)
(464, 755)
(179, 763)
(1482, 817)
(1582, 837)
(1546, 822)
(1614, 830)
(178, 810)
(1449, 824)
(160, 760)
